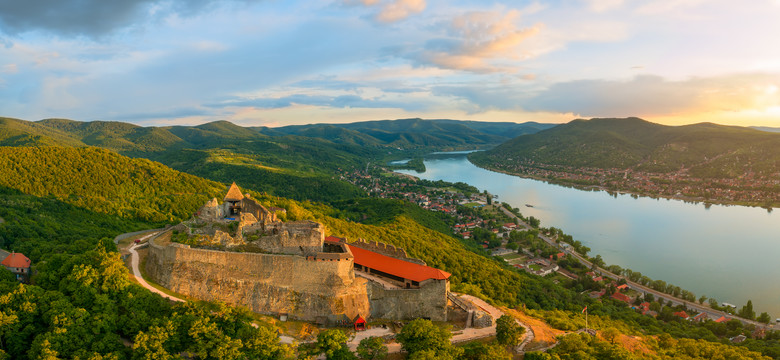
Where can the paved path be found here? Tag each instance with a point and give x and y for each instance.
(392, 347)
(137, 272)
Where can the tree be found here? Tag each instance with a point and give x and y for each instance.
(747, 311)
(610, 334)
(151, 344)
(333, 343)
(508, 331)
(421, 334)
(481, 351)
(372, 348)
(764, 318)
(702, 299)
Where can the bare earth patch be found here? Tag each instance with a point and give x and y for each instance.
(544, 334)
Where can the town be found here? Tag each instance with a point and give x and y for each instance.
(747, 189)
(499, 230)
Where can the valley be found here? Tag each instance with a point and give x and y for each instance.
(335, 185)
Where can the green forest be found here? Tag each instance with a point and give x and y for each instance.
(61, 206)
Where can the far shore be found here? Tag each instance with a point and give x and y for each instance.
(695, 200)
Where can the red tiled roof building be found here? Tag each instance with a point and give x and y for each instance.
(18, 264)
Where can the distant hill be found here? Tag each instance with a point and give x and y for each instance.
(705, 149)
(415, 133)
(286, 165)
(295, 161)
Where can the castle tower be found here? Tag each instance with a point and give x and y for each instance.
(233, 200)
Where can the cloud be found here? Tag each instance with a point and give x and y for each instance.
(648, 95)
(333, 101)
(90, 18)
(391, 11)
(400, 9)
(604, 5)
(479, 41)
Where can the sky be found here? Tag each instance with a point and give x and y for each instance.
(275, 63)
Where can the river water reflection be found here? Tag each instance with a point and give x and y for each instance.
(731, 253)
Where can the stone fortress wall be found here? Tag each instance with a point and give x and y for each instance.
(429, 301)
(293, 271)
(302, 287)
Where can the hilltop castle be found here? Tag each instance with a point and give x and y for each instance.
(277, 267)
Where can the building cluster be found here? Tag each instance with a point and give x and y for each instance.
(748, 187)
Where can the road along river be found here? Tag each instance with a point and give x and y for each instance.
(731, 253)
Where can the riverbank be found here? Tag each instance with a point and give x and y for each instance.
(591, 187)
(689, 245)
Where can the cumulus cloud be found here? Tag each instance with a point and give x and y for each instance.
(90, 18)
(478, 42)
(653, 95)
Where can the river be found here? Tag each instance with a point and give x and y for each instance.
(730, 253)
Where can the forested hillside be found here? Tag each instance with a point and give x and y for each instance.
(415, 133)
(291, 166)
(708, 150)
(105, 182)
(82, 304)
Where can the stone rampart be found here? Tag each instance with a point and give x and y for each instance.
(265, 283)
(429, 301)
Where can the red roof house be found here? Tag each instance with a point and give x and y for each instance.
(681, 314)
(18, 264)
(621, 297)
(701, 317)
(722, 319)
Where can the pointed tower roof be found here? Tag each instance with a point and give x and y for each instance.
(234, 193)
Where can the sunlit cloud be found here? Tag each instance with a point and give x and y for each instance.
(479, 41)
(174, 61)
(400, 9)
(655, 96)
(390, 11)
